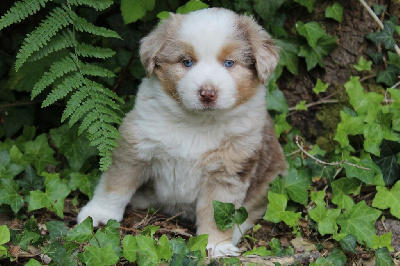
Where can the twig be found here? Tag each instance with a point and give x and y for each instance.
(173, 217)
(323, 101)
(130, 229)
(325, 163)
(367, 77)
(378, 21)
(165, 230)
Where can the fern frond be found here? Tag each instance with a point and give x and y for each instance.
(74, 102)
(81, 111)
(60, 41)
(87, 50)
(98, 88)
(96, 4)
(38, 38)
(97, 71)
(57, 69)
(83, 25)
(68, 85)
(20, 11)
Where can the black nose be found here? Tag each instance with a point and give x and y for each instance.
(208, 94)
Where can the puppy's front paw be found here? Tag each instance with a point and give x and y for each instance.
(100, 214)
(223, 249)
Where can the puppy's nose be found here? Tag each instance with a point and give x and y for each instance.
(208, 94)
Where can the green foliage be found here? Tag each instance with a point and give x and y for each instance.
(67, 61)
(226, 216)
(335, 11)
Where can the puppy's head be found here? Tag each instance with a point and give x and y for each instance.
(209, 59)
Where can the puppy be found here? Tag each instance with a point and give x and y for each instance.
(199, 130)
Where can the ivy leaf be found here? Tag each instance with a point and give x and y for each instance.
(99, 256)
(384, 240)
(363, 64)
(108, 235)
(297, 183)
(388, 161)
(326, 219)
(86, 183)
(388, 76)
(280, 124)
(147, 251)
(39, 153)
(164, 249)
(4, 234)
(83, 232)
(260, 251)
(343, 187)
(31, 181)
(365, 104)
(56, 251)
(301, 106)
(130, 246)
(199, 243)
(378, 9)
(359, 221)
(337, 257)
(312, 31)
(334, 11)
(382, 257)
(394, 59)
(348, 125)
(9, 194)
(385, 36)
(267, 9)
(56, 229)
(276, 210)
(388, 199)
(349, 243)
(53, 198)
(74, 146)
(133, 10)
(190, 6)
(8, 169)
(309, 4)
(288, 55)
(225, 214)
(277, 101)
(33, 262)
(320, 87)
(366, 176)
(314, 56)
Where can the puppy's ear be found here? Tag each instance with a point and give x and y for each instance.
(266, 54)
(151, 45)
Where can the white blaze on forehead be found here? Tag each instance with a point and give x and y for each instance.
(208, 30)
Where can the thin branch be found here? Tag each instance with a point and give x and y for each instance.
(326, 163)
(378, 21)
(322, 101)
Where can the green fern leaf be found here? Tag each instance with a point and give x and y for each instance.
(98, 88)
(97, 71)
(87, 121)
(61, 41)
(69, 84)
(57, 69)
(38, 38)
(83, 25)
(74, 102)
(79, 112)
(96, 4)
(87, 50)
(20, 11)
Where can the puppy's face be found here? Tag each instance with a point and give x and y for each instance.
(209, 59)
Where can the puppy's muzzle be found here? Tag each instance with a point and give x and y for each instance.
(208, 94)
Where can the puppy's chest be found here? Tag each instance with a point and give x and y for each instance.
(176, 180)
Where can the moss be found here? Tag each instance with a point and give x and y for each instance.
(329, 116)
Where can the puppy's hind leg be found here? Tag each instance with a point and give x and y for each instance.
(113, 192)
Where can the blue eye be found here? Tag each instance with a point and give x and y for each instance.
(187, 62)
(229, 63)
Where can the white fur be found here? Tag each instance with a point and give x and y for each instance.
(223, 249)
(104, 205)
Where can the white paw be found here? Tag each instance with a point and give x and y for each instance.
(100, 214)
(223, 249)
